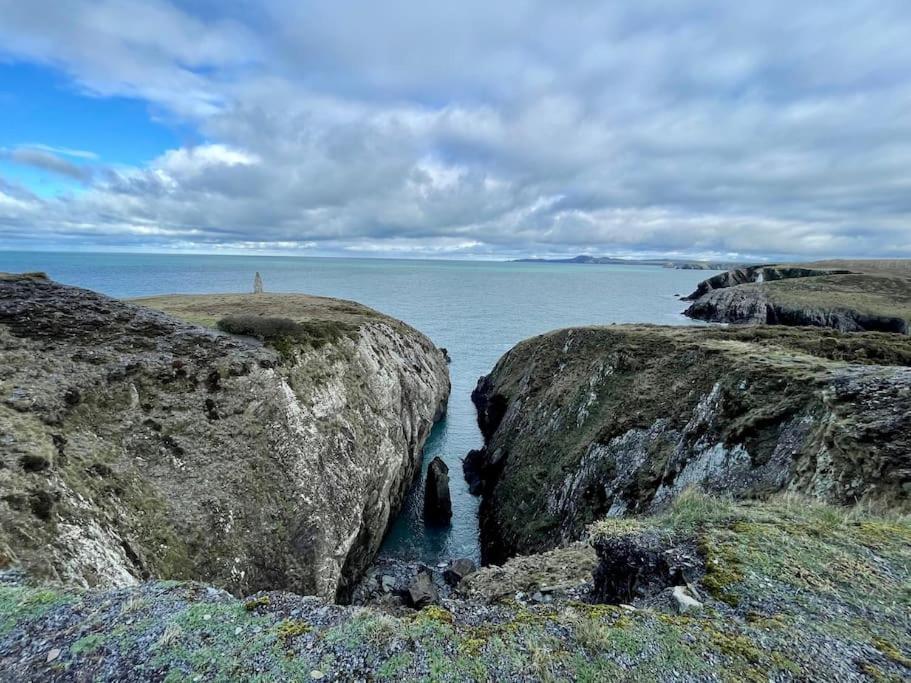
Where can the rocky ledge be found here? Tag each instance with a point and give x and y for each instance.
(591, 422)
(871, 296)
(786, 590)
(137, 445)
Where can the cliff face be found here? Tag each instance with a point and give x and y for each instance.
(875, 301)
(135, 445)
(740, 276)
(589, 422)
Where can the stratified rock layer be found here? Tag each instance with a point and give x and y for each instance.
(876, 298)
(588, 422)
(135, 445)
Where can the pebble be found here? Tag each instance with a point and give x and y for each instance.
(52, 654)
(316, 674)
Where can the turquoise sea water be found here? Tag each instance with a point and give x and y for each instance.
(477, 310)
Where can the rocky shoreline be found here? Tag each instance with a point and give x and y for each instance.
(699, 504)
(588, 422)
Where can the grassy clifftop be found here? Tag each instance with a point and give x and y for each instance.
(791, 590)
(846, 295)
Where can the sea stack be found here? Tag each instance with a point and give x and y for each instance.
(437, 503)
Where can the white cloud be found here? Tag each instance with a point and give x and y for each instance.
(761, 128)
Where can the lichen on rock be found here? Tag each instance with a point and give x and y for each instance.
(177, 452)
(588, 422)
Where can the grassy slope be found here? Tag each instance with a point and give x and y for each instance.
(208, 309)
(794, 591)
(875, 287)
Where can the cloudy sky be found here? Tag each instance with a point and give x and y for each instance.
(751, 129)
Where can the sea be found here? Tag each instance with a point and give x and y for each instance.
(477, 310)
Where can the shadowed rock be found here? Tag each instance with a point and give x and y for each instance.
(437, 503)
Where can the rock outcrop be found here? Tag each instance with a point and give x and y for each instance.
(874, 301)
(792, 591)
(136, 445)
(764, 273)
(589, 422)
(437, 501)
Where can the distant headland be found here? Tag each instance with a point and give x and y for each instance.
(585, 259)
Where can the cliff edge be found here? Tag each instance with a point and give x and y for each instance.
(850, 296)
(138, 445)
(608, 421)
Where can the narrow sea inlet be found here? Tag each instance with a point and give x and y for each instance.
(476, 310)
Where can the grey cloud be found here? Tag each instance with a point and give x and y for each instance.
(46, 160)
(755, 128)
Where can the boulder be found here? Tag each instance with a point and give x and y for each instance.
(437, 503)
(458, 570)
(684, 601)
(422, 591)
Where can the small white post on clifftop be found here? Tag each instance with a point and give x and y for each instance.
(257, 284)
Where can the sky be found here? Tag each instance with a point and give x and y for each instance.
(755, 129)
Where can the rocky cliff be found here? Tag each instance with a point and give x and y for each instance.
(134, 444)
(589, 422)
(871, 297)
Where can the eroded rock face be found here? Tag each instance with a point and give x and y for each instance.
(437, 502)
(848, 301)
(619, 420)
(764, 273)
(134, 445)
(751, 304)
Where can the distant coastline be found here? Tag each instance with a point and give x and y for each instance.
(613, 260)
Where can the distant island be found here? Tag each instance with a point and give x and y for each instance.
(613, 260)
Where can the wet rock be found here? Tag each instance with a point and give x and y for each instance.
(472, 466)
(437, 503)
(458, 570)
(422, 591)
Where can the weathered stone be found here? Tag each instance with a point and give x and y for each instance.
(589, 422)
(458, 570)
(193, 454)
(437, 502)
(257, 284)
(685, 602)
(873, 299)
(422, 591)
(472, 469)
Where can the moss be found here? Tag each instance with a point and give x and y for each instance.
(395, 665)
(87, 644)
(27, 604)
(435, 613)
(255, 603)
(289, 629)
(722, 569)
(892, 652)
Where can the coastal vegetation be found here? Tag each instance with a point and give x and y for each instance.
(790, 589)
(701, 503)
(846, 295)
